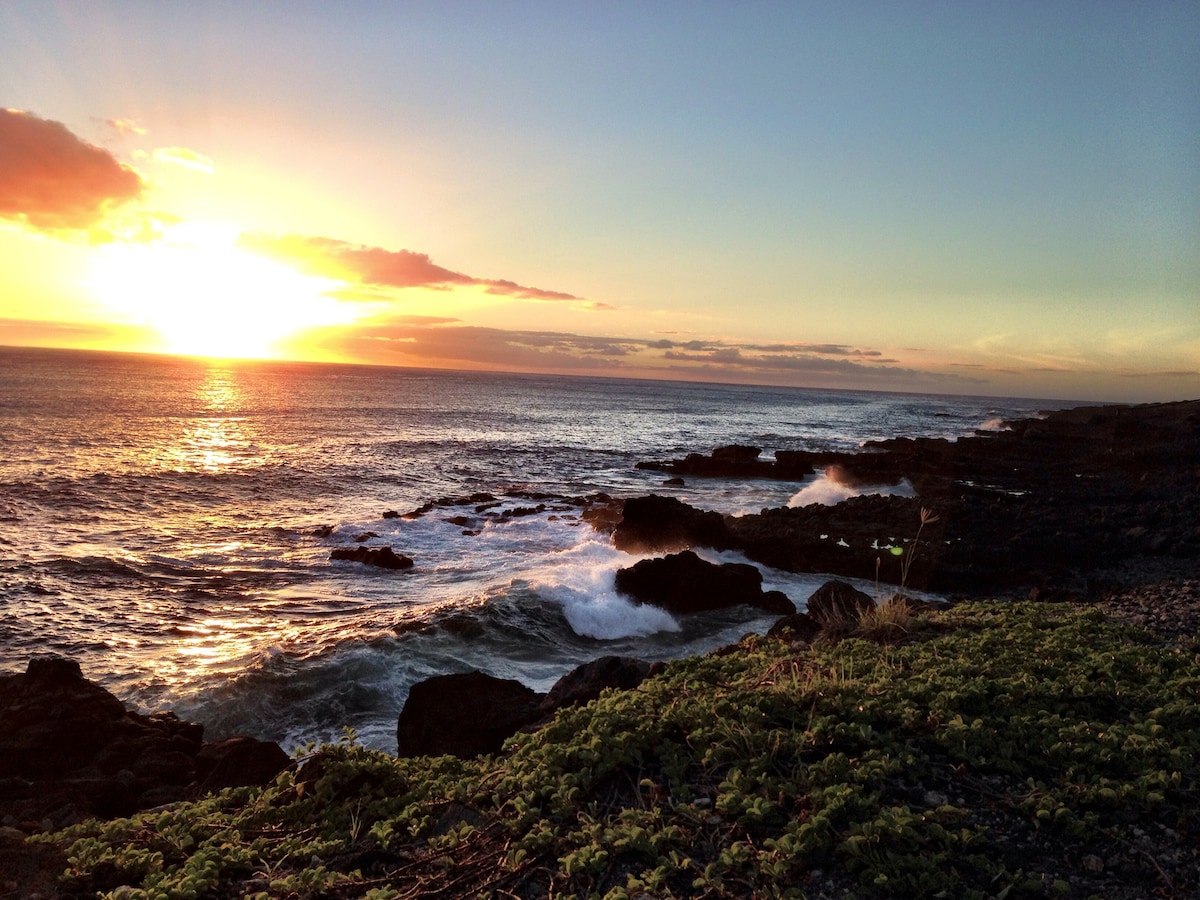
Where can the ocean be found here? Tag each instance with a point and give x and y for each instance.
(168, 523)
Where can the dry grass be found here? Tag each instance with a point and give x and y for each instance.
(885, 622)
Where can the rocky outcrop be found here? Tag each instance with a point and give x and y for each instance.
(69, 749)
(382, 557)
(465, 714)
(836, 601)
(1063, 504)
(471, 714)
(683, 583)
(655, 523)
(587, 682)
(849, 539)
(736, 461)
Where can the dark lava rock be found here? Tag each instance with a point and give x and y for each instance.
(383, 557)
(657, 523)
(684, 583)
(836, 601)
(1091, 496)
(28, 868)
(69, 749)
(796, 627)
(737, 461)
(238, 762)
(586, 682)
(470, 714)
(465, 714)
(846, 539)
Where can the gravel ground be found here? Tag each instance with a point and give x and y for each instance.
(1170, 609)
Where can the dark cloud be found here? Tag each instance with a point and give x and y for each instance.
(1165, 373)
(377, 266)
(817, 349)
(53, 181)
(664, 344)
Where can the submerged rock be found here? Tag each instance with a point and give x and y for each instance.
(383, 557)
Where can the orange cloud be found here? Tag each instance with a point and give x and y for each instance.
(94, 335)
(355, 263)
(51, 180)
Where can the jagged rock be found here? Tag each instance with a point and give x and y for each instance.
(738, 461)
(69, 749)
(657, 523)
(684, 583)
(383, 557)
(836, 601)
(464, 714)
(1049, 500)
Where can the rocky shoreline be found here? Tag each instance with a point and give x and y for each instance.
(1097, 504)
(1075, 504)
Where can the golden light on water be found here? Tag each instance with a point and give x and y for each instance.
(217, 440)
(215, 643)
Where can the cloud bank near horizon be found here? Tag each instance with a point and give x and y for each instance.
(446, 342)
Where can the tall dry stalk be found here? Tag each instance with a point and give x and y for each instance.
(927, 518)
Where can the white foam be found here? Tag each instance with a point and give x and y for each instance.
(828, 489)
(995, 423)
(582, 580)
(608, 616)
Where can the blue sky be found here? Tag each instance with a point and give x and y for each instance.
(993, 199)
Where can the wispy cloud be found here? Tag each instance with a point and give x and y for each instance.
(189, 159)
(357, 264)
(125, 126)
(50, 180)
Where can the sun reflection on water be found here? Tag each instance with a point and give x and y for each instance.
(217, 644)
(217, 440)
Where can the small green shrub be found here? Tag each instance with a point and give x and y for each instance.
(853, 768)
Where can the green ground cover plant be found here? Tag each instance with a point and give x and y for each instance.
(999, 750)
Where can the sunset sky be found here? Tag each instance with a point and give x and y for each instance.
(949, 197)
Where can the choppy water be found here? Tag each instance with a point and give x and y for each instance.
(168, 523)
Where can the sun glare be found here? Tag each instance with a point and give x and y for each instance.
(207, 297)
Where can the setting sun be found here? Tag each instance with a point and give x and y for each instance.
(207, 297)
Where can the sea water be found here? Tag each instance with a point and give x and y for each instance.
(168, 523)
